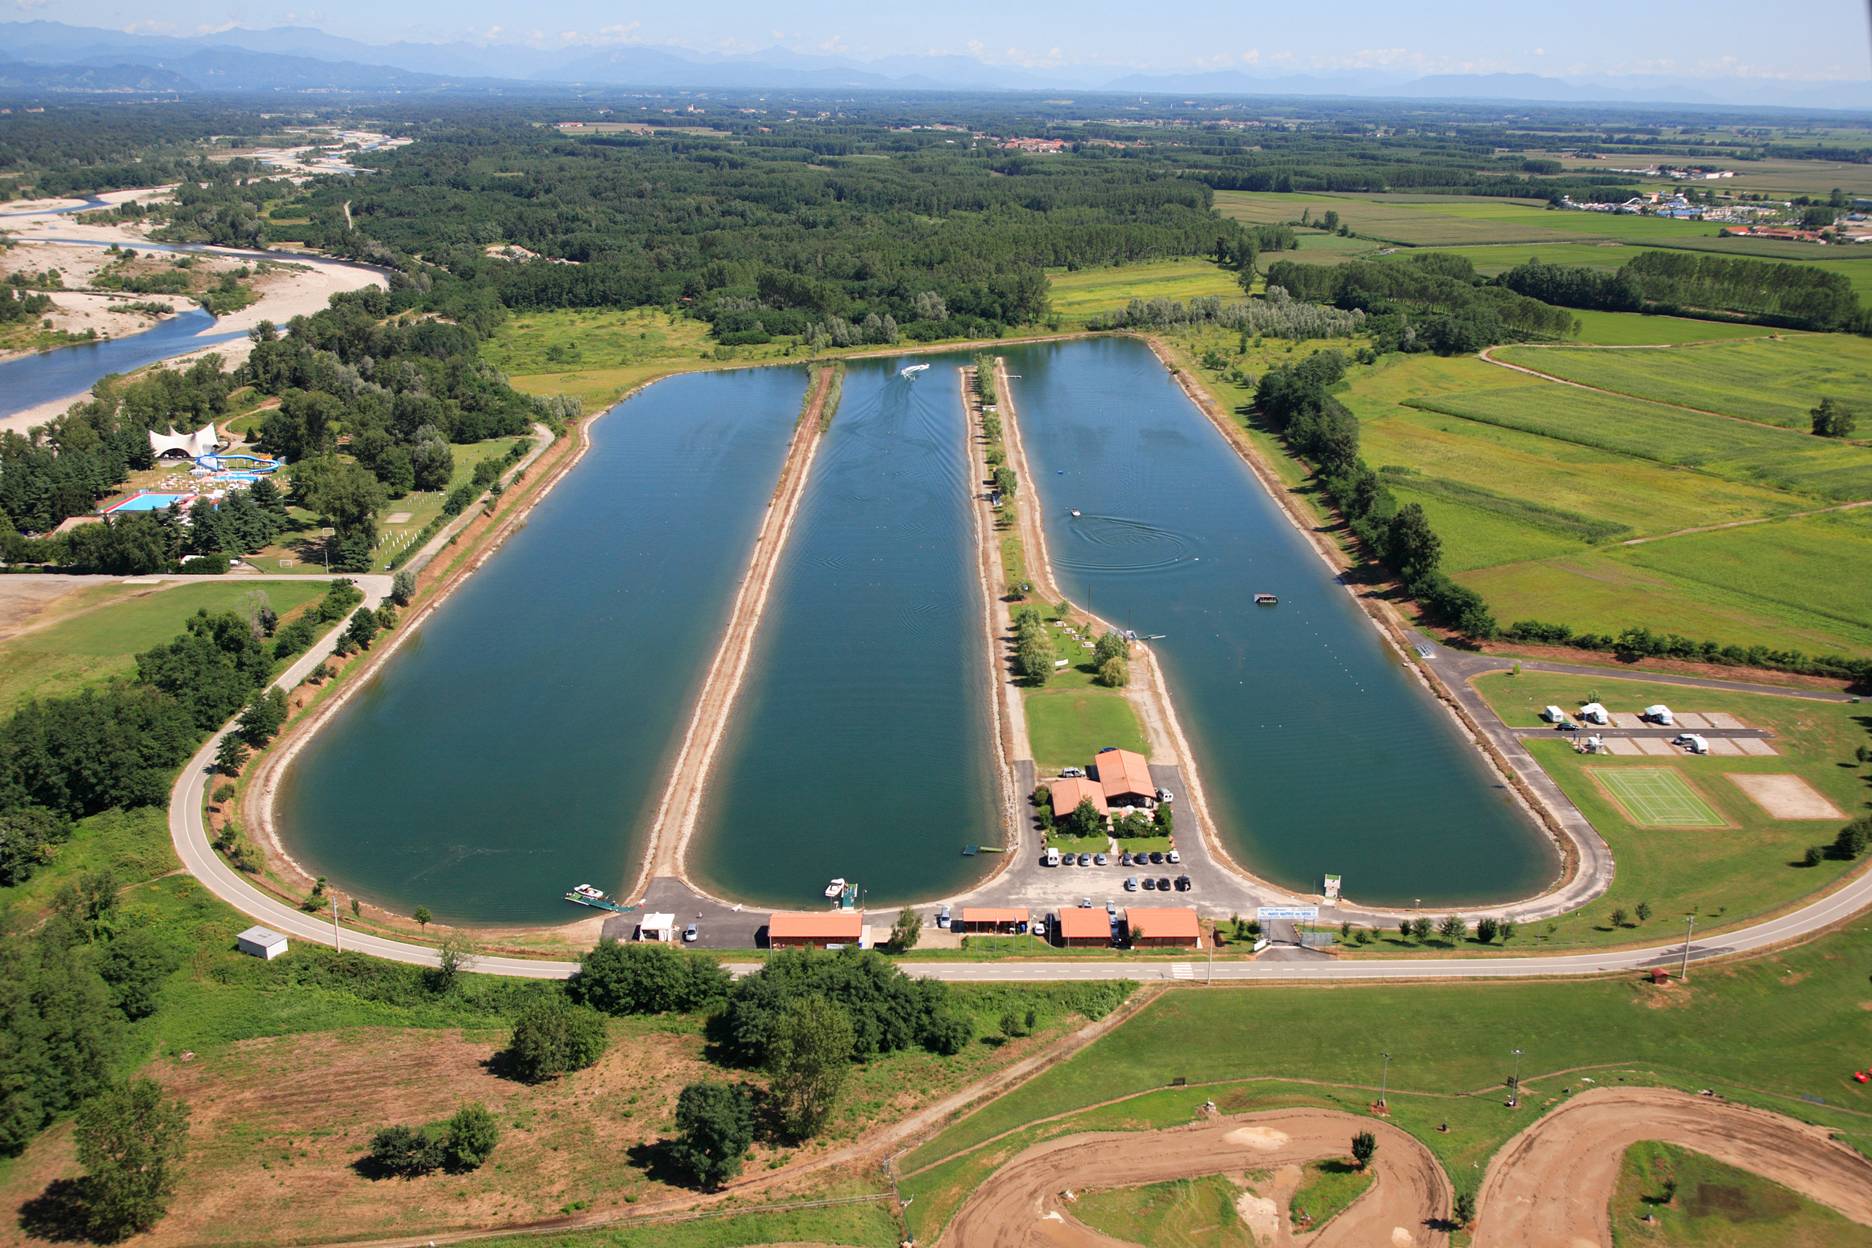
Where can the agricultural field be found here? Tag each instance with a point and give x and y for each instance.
(1777, 380)
(95, 633)
(1776, 1032)
(1449, 220)
(1075, 296)
(1726, 869)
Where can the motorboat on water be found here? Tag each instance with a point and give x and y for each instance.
(835, 889)
(1266, 600)
(912, 370)
(1075, 513)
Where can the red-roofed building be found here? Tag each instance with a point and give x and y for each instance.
(1084, 928)
(1161, 926)
(814, 929)
(1069, 791)
(1124, 777)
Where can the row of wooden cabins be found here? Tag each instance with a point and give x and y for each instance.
(1143, 926)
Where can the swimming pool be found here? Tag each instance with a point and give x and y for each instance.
(148, 502)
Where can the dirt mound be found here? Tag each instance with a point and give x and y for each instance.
(1024, 1204)
(1552, 1184)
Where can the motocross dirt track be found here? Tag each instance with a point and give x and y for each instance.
(1551, 1186)
(1023, 1204)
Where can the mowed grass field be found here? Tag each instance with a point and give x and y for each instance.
(1085, 293)
(96, 633)
(1450, 220)
(1769, 1032)
(1776, 379)
(1668, 1196)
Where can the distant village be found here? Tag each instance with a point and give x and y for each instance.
(1754, 219)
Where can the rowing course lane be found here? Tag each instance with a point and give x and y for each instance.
(517, 744)
(1319, 750)
(861, 744)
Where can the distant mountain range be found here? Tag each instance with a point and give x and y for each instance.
(53, 56)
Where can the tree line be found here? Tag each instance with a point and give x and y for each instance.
(1799, 296)
(1428, 302)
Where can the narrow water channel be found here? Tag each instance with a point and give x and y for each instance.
(519, 742)
(861, 745)
(1319, 751)
(30, 380)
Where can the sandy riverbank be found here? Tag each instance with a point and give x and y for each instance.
(300, 290)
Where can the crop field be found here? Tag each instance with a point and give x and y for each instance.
(1656, 797)
(1630, 329)
(1724, 448)
(1777, 380)
(1545, 497)
(1087, 292)
(1447, 220)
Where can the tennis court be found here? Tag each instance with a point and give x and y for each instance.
(1656, 797)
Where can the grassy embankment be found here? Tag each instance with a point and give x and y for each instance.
(1077, 296)
(1188, 1213)
(1771, 1032)
(97, 631)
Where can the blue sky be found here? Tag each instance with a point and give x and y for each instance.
(1733, 39)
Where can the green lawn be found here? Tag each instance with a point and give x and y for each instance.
(1778, 380)
(1075, 296)
(1696, 1200)
(422, 506)
(1773, 1032)
(1067, 726)
(1326, 1189)
(97, 632)
(1188, 1213)
(1725, 875)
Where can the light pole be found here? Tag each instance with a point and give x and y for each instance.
(1683, 972)
(1514, 1082)
(334, 901)
(1384, 1081)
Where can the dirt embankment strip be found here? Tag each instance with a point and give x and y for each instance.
(677, 813)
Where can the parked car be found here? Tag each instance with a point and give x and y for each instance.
(1165, 795)
(1131, 884)
(1173, 856)
(1040, 928)
(1085, 860)
(1085, 903)
(942, 917)
(1150, 885)
(1111, 907)
(1124, 859)
(1183, 883)
(1100, 860)
(1156, 856)
(689, 933)
(1071, 773)
(1163, 883)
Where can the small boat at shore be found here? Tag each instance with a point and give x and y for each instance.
(835, 889)
(912, 370)
(1266, 600)
(598, 899)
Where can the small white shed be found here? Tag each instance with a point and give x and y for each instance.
(261, 942)
(657, 927)
(1554, 715)
(1593, 713)
(1658, 713)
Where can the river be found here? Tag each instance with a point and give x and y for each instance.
(518, 743)
(1319, 750)
(862, 743)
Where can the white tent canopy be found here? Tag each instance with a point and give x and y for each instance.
(202, 442)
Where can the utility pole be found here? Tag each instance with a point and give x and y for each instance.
(1683, 973)
(1384, 1082)
(334, 901)
(1514, 1082)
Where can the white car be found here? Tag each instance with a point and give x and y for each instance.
(689, 934)
(1165, 796)
(1173, 856)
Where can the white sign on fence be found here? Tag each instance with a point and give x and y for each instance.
(1297, 914)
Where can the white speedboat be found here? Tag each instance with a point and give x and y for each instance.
(912, 370)
(835, 889)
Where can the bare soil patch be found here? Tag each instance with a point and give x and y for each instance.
(277, 1123)
(1785, 796)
